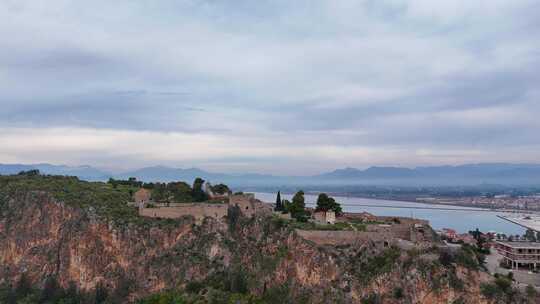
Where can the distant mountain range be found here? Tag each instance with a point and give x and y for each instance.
(471, 174)
(82, 172)
(463, 171)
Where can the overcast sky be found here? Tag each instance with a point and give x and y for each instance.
(283, 87)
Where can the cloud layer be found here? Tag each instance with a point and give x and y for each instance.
(275, 86)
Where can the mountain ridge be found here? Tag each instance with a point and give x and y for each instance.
(479, 173)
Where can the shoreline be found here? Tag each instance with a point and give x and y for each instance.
(410, 200)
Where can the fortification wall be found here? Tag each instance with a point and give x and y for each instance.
(249, 205)
(403, 220)
(246, 202)
(197, 210)
(344, 237)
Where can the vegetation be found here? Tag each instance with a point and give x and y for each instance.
(132, 182)
(372, 298)
(530, 235)
(327, 203)
(339, 226)
(500, 290)
(379, 264)
(104, 200)
(531, 292)
(279, 203)
(297, 207)
(197, 192)
(22, 292)
(174, 192)
(467, 256)
(220, 189)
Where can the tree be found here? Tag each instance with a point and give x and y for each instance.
(51, 291)
(298, 207)
(324, 203)
(233, 216)
(530, 235)
(72, 294)
(286, 205)
(100, 293)
(33, 172)
(327, 203)
(279, 203)
(530, 292)
(7, 294)
(198, 193)
(220, 189)
(23, 287)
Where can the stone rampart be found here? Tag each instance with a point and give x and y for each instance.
(197, 210)
(344, 237)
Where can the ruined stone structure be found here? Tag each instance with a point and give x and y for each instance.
(324, 217)
(142, 197)
(249, 205)
(392, 233)
(246, 202)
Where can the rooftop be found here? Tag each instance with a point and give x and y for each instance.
(520, 244)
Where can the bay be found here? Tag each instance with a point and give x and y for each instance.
(462, 219)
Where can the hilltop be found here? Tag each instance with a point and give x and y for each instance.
(84, 236)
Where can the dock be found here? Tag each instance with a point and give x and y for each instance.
(531, 222)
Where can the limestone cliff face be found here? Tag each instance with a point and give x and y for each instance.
(41, 237)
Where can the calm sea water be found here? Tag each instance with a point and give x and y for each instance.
(460, 220)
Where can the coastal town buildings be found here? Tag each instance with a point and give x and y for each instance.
(519, 254)
(525, 203)
(452, 236)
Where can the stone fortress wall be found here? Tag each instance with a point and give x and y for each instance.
(246, 202)
(406, 229)
(197, 210)
(321, 237)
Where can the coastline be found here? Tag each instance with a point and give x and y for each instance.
(415, 200)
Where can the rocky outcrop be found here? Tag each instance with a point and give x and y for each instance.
(41, 236)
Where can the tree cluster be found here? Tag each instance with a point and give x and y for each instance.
(327, 203)
(220, 189)
(173, 192)
(34, 172)
(131, 182)
(297, 208)
(177, 192)
(24, 292)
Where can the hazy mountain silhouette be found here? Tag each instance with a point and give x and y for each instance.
(500, 173)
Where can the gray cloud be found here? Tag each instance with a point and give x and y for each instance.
(360, 82)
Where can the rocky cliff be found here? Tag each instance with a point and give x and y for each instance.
(43, 235)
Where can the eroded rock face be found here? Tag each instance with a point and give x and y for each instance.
(42, 237)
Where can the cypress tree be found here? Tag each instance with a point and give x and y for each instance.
(279, 204)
